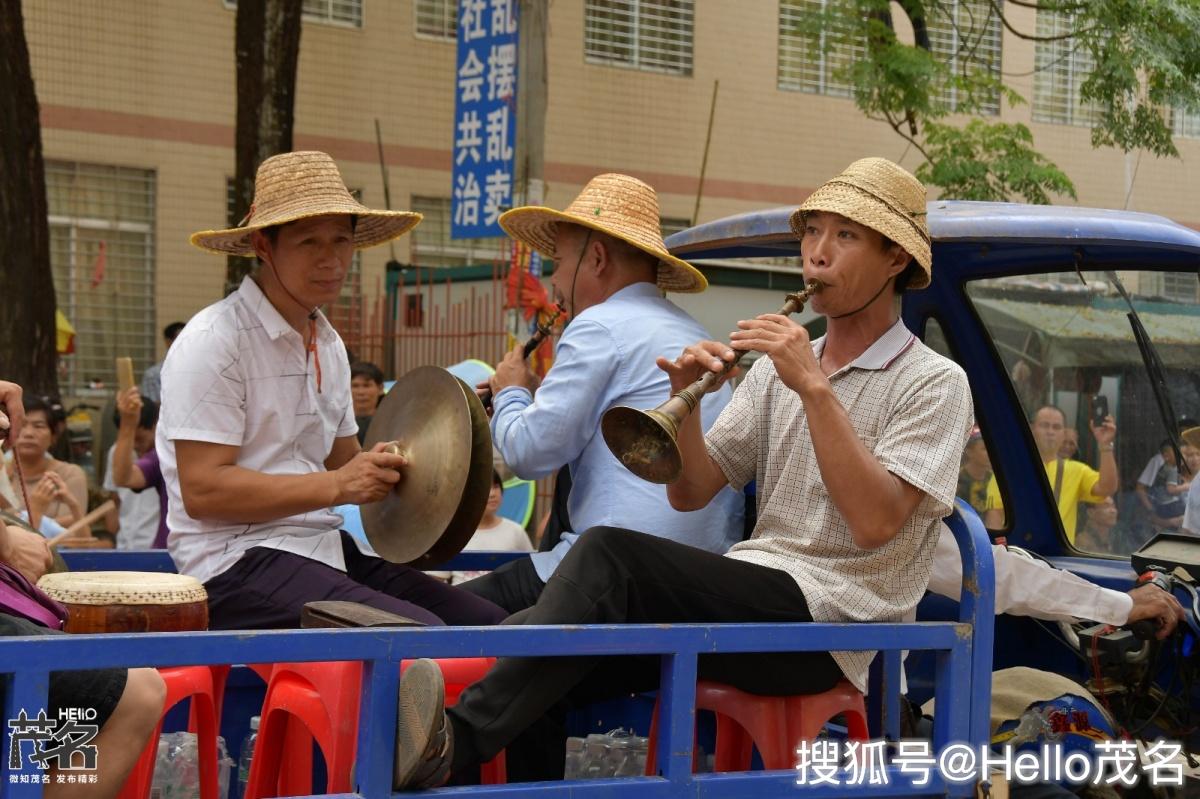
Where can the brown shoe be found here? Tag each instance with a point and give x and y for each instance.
(424, 737)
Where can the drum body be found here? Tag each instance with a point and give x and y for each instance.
(129, 602)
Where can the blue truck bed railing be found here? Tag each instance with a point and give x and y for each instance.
(963, 681)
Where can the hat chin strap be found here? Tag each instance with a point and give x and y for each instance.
(583, 251)
(311, 347)
(868, 303)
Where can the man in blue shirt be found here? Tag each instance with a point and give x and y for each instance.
(610, 274)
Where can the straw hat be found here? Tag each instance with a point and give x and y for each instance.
(882, 196)
(624, 208)
(296, 186)
(1191, 437)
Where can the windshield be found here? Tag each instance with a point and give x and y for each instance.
(1074, 364)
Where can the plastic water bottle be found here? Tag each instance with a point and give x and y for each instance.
(247, 754)
(574, 761)
(595, 756)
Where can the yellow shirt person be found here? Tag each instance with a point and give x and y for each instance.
(1078, 480)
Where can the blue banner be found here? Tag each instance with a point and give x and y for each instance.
(485, 117)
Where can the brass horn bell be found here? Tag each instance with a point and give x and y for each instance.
(645, 442)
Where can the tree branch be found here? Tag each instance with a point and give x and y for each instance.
(910, 138)
(1038, 6)
(1029, 37)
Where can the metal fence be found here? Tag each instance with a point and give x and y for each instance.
(963, 681)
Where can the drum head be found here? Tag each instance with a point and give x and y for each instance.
(428, 414)
(123, 588)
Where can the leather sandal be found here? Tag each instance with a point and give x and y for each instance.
(424, 737)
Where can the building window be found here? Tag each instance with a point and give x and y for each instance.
(1061, 68)
(344, 13)
(965, 35)
(432, 245)
(1180, 286)
(651, 35)
(102, 256)
(809, 63)
(437, 19)
(1185, 123)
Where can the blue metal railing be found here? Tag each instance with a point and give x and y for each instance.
(963, 683)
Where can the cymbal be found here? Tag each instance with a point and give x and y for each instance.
(428, 414)
(475, 493)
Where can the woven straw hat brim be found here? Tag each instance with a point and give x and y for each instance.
(860, 205)
(535, 226)
(372, 227)
(1191, 437)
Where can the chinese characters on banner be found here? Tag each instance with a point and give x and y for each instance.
(485, 117)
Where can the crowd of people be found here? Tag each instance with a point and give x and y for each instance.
(1087, 497)
(258, 435)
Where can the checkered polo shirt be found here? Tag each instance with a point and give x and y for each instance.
(912, 408)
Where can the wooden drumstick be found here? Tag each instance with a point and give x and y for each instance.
(80, 529)
(125, 373)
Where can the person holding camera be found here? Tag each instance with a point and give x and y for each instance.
(1073, 481)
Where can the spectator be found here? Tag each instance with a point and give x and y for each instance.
(10, 395)
(1191, 512)
(127, 703)
(366, 390)
(1164, 457)
(56, 489)
(152, 377)
(1165, 494)
(1097, 533)
(1070, 445)
(142, 513)
(975, 473)
(1072, 482)
(495, 533)
(1170, 498)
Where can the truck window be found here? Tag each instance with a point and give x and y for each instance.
(975, 470)
(1069, 351)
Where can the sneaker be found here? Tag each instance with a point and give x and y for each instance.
(424, 737)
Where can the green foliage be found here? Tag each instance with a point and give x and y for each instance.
(989, 161)
(1146, 56)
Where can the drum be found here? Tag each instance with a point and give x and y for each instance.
(129, 602)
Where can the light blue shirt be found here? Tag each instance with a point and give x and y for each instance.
(606, 358)
(47, 527)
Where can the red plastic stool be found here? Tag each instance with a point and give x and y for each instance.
(773, 724)
(183, 682)
(306, 702)
(309, 702)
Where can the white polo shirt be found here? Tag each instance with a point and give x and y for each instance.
(239, 375)
(912, 409)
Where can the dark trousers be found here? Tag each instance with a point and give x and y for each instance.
(613, 576)
(514, 586)
(267, 588)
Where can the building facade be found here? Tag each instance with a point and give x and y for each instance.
(138, 112)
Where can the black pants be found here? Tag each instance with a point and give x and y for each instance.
(613, 576)
(267, 589)
(514, 586)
